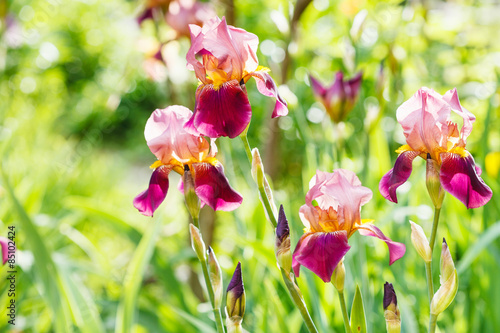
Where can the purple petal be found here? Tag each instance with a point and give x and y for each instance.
(213, 189)
(147, 14)
(220, 112)
(320, 252)
(352, 87)
(396, 250)
(236, 283)
(267, 87)
(4, 244)
(148, 201)
(459, 176)
(317, 88)
(389, 295)
(397, 176)
(282, 229)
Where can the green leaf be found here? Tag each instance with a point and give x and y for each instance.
(358, 321)
(486, 238)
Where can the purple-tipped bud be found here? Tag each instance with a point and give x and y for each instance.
(235, 299)
(282, 245)
(433, 182)
(192, 200)
(215, 274)
(391, 311)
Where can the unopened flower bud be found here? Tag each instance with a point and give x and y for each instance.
(215, 274)
(391, 311)
(433, 182)
(257, 167)
(338, 276)
(197, 242)
(235, 298)
(420, 242)
(192, 200)
(448, 280)
(282, 245)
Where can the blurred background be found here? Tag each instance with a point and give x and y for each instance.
(79, 79)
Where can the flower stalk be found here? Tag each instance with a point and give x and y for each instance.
(344, 312)
(428, 264)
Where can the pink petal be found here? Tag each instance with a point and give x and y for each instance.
(267, 87)
(4, 244)
(222, 112)
(353, 86)
(167, 138)
(336, 93)
(318, 89)
(397, 176)
(183, 13)
(452, 98)
(320, 252)
(459, 176)
(396, 250)
(213, 189)
(148, 201)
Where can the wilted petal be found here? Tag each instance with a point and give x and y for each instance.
(4, 245)
(220, 112)
(148, 201)
(459, 176)
(397, 176)
(396, 250)
(213, 189)
(267, 87)
(320, 252)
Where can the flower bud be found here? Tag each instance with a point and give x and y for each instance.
(391, 311)
(433, 182)
(448, 280)
(235, 298)
(257, 167)
(192, 200)
(215, 274)
(197, 242)
(338, 276)
(282, 245)
(420, 242)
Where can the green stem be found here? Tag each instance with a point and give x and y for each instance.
(432, 323)
(428, 265)
(264, 198)
(210, 289)
(344, 312)
(299, 301)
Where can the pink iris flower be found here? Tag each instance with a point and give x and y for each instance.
(177, 150)
(224, 58)
(339, 99)
(332, 221)
(182, 13)
(430, 133)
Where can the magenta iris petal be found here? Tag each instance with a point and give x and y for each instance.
(317, 88)
(320, 252)
(267, 87)
(396, 250)
(220, 112)
(148, 201)
(459, 176)
(397, 176)
(213, 189)
(4, 245)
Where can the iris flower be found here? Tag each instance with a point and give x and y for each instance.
(330, 223)
(430, 134)
(339, 99)
(178, 150)
(224, 58)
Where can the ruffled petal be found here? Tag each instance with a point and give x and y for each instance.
(459, 176)
(267, 87)
(397, 176)
(220, 112)
(396, 250)
(148, 201)
(4, 245)
(320, 252)
(213, 189)
(452, 98)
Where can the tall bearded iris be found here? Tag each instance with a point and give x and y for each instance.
(178, 150)
(430, 134)
(330, 223)
(224, 58)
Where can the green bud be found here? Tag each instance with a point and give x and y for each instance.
(192, 200)
(448, 280)
(215, 274)
(420, 242)
(338, 276)
(257, 167)
(197, 242)
(433, 182)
